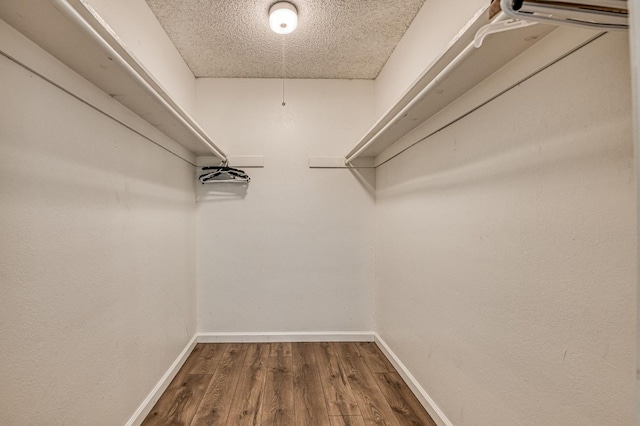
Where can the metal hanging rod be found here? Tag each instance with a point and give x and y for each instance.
(601, 14)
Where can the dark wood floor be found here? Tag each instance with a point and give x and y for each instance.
(301, 384)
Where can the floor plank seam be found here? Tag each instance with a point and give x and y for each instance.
(297, 384)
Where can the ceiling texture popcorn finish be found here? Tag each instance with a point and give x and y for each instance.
(341, 39)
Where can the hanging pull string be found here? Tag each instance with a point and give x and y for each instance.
(283, 60)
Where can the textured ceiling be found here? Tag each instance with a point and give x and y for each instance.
(344, 39)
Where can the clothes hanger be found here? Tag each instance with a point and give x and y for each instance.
(223, 174)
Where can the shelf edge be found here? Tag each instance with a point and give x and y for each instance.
(453, 48)
(96, 28)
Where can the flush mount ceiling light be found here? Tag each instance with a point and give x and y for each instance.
(283, 17)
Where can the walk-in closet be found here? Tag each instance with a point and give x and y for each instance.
(319, 212)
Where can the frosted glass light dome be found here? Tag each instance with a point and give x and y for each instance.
(283, 17)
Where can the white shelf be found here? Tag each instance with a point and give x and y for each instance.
(74, 34)
(415, 107)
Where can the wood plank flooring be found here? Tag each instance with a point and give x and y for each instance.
(298, 384)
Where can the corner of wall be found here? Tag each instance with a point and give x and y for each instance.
(427, 36)
(138, 28)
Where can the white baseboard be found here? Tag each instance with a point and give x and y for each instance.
(321, 336)
(145, 408)
(434, 411)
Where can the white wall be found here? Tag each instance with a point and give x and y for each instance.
(426, 38)
(506, 252)
(138, 28)
(295, 253)
(97, 254)
(634, 38)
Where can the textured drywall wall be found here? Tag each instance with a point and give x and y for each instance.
(506, 252)
(634, 38)
(97, 258)
(426, 38)
(295, 252)
(334, 39)
(141, 32)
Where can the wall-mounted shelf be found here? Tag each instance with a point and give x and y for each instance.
(74, 33)
(457, 70)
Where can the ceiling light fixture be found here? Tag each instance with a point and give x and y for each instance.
(283, 17)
